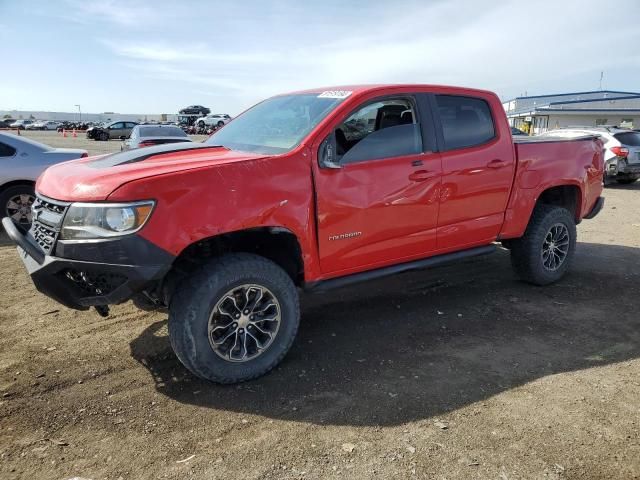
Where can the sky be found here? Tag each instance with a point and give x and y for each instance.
(158, 56)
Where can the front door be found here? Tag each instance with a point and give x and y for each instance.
(382, 204)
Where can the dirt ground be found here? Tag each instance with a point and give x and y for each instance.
(460, 372)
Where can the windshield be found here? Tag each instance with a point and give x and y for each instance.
(276, 125)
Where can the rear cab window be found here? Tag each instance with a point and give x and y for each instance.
(631, 139)
(466, 121)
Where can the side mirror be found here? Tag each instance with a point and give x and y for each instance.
(327, 153)
(122, 137)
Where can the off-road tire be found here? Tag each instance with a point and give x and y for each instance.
(191, 305)
(526, 252)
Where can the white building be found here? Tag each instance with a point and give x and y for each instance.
(88, 117)
(546, 112)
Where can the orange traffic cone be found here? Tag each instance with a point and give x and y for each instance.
(64, 133)
(75, 135)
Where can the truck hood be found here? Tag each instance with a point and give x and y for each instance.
(95, 178)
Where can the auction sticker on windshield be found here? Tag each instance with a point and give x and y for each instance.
(335, 94)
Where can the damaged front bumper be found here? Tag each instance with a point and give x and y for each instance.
(89, 273)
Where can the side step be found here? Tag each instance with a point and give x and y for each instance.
(324, 285)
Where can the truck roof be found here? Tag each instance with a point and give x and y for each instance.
(363, 88)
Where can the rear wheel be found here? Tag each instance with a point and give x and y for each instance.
(235, 319)
(16, 202)
(544, 253)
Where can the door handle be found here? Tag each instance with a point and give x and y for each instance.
(496, 164)
(421, 175)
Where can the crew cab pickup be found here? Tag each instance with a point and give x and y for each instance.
(310, 190)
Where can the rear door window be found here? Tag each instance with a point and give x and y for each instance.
(6, 150)
(466, 121)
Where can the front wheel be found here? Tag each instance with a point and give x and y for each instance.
(235, 319)
(16, 202)
(104, 136)
(545, 251)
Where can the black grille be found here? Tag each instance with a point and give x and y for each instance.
(47, 221)
(44, 236)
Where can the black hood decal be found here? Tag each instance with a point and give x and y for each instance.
(140, 154)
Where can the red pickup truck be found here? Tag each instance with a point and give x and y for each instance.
(311, 190)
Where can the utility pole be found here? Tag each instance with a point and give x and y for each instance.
(79, 114)
(601, 77)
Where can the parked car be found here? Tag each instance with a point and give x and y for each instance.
(6, 123)
(43, 125)
(21, 124)
(517, 131)
(622, 150)
(195, 110)
(111, 130)
(150, 135)
(22, 161)
(224, 232)
(215, 120)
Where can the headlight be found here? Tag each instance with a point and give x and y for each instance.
(101, 220)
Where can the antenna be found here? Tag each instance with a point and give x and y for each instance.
(601, 77)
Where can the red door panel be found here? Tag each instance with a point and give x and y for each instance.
(375, 212)
(474, 194)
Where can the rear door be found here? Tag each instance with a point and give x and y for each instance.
(477, 169)
(381, 205)
(115, 130)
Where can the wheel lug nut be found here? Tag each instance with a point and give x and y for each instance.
(237, 315)
(246, 312)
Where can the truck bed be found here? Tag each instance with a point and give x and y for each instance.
(523, 139)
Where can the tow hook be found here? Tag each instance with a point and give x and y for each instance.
(103, 310)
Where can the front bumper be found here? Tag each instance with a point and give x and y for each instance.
(98, 272)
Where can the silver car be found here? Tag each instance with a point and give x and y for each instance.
(21, 162)
(621, 149)
(149, 135)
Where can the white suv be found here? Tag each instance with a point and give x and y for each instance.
(43, 125)
(213, 120)
(622, 149)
